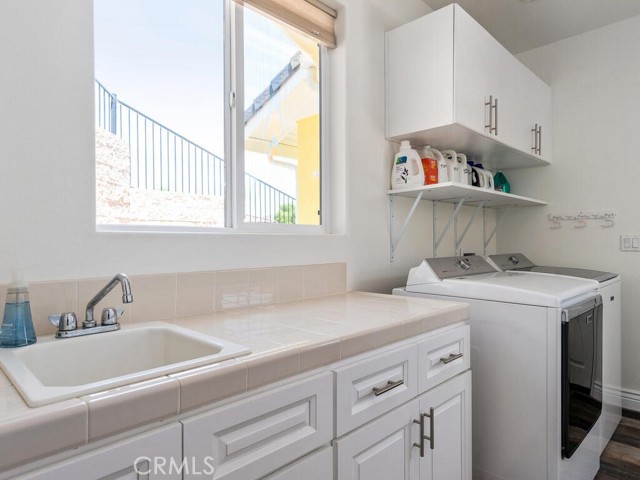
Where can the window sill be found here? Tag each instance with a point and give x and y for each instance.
(255, 230)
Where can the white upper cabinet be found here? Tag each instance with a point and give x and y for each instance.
(450, 84)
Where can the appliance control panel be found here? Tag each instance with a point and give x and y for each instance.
(511, 261)
(451, 267)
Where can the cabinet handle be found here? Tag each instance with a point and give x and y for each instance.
(490, 105)
(389, 386)
(540, 140)
(534, 130)
(431, 437)
(495, 128)
(451, 357)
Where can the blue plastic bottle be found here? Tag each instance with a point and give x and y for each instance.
(17, 325)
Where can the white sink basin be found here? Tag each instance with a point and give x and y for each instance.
(58, 369)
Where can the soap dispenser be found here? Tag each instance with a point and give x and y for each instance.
(17, 324)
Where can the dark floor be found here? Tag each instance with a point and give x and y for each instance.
(621, 459)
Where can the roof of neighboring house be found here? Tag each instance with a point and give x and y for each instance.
(278, 81)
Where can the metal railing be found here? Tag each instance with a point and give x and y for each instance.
(162, 159)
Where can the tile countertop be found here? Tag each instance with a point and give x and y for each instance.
(285, 339)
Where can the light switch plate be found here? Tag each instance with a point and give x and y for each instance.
(630, 243)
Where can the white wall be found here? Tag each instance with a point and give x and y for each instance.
(596, 120)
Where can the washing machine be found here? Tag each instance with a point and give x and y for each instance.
(535, 354)
(609, 286)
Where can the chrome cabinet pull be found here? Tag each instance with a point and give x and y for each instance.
(451, 357)
(490, 105)
(389, 386)
(534, 130)
(431, 437)
(540, 140)
(495, 127)
(420, 445)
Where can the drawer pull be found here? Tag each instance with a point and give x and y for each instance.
(451, 357)
(424, 437)
(390, 386)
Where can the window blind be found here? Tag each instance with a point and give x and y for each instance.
(311, 17)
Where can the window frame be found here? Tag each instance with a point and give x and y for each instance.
(234, 192)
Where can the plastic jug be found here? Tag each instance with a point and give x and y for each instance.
(443, 166)
(465, 170)
(478, 176)
(430, 165)
(452, 165)
(501, 183)
(488, 180)
(407, 168)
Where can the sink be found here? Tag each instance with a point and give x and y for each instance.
(58, 369)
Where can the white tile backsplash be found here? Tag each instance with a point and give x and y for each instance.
(170, 296)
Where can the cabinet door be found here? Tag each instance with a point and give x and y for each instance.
(525, 102)
(480, 64)
(250, 438)
(419, 74)
(450, 457)
(539, 107)
(315, 466)
(152, 455)
(382, 449)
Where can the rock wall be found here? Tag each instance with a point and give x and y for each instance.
(117, 203)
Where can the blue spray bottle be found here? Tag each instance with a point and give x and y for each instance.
(17, 325)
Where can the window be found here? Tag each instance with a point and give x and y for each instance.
(176, 81)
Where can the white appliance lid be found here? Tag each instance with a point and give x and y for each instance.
(508, 287)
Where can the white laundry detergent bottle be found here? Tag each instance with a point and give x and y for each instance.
(452, 165)
(407, 168)
(464, 167)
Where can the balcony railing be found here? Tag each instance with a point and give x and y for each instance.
(162, 159)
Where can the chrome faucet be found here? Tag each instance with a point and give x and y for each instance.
(127, 297)
(67, 323)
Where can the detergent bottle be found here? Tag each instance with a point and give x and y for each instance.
(452, 165)
(464, 167)
(431, 165)
(407, 169)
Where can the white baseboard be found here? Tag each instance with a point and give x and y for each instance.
(631, 400)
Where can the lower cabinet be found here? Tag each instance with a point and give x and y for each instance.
(315, 466)
(400, 413)
(251, 438)
(448, 453)
(155, 455)
(390, 446)
(381, 450)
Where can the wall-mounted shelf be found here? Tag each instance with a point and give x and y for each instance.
(459, 195)
(452, 192)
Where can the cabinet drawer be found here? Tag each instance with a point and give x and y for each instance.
(315, 466)
(371, 387)
(251, 438)
(442, 357)
(148, 455)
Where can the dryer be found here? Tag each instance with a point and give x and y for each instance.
(533, 417)
(609, 286)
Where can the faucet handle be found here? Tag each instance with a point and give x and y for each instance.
(111, 315)
(64, 322)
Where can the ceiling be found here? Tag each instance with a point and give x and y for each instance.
(521, 25)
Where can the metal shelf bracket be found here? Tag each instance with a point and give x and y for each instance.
(396, 236)
(438, 240)
(458, 240)
(501, 216)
